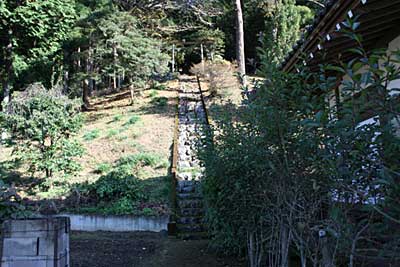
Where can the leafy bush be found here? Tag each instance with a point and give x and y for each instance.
(160, 101)
(289, 173)
(117, 184)
(155, 85)
(220, 76)
(41, 123)
(103, 168)
(11, 206)
(118, 191)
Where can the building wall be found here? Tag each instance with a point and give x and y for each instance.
(394, 45)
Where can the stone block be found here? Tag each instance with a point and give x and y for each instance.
(36, 242)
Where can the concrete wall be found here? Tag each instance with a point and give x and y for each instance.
(92, 223)
(35, 243)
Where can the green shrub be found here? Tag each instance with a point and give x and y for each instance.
(41, 123)
(117, 184)
(103, 168)
(132, 120)
(287, 166)
(153, 93)
(91, 135)
(148, 212)
(158, 86)
(117, 117)
(121, 206)
(160, 101)
(11, 206)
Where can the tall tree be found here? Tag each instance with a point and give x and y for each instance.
(31, 48)
(240, 56)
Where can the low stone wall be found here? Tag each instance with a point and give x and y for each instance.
(91, 223)
(40, 242)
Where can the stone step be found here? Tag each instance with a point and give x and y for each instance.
(190, 212)
(189, 189)
(188, 196)
(190, 204)
(193, 236)
(188, 183)
(190, 220)
(191, 228)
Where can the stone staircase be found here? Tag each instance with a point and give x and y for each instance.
(192, 122)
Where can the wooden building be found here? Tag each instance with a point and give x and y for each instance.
(379, 26)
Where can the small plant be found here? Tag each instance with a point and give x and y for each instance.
(122, 138)
(91, 135)
(132, 120)
(160, 101)
(153, 93)
(159, 86)
(117, 117)
(103, 168)
(111, 133)
(148, 212)
(144, 159)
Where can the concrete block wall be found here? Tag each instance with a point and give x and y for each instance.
(40, 242)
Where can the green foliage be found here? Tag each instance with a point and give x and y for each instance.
(119, 191)
(284, 25)
(142, 159)
(117, 118)
(132, 120)
(286, 165)
(117, 184)
(153, 93)
(160, 101)
(158, 86)
(103, 168)
(11, 206)
(41, 123)
(113, 41)
(91, 135)
(37, 30)
(111, 133)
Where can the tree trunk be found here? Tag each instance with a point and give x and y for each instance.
(240, 56)
(89, 69)
(85, 95)
(327, 260)
(78, 63)
(115, 53)
(6, 97)
(132, 89)
(202, 59)
(173, 58)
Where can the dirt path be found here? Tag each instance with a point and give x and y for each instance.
(141, 249)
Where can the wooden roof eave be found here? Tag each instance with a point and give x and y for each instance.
(336, 13)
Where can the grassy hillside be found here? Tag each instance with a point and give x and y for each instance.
(114, 132)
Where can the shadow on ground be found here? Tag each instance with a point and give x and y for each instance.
(143, 249)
